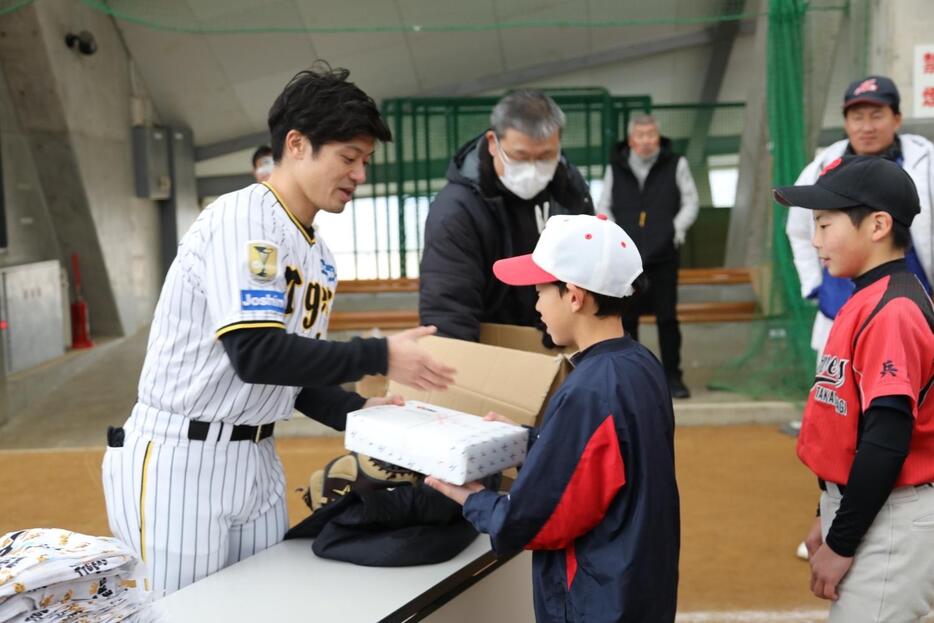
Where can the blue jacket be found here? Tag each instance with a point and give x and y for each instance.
(597, 499)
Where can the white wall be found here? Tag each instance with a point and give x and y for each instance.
(670, 77)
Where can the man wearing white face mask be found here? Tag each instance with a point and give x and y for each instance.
(502, 187)
(648, 190)
(262, 163)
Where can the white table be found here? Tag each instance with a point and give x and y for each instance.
(287, 582)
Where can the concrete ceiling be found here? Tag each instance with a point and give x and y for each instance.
(221, 85)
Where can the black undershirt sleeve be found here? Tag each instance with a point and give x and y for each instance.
(880, 454)
(328, 405)
(274, 357)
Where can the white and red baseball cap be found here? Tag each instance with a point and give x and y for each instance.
(588, 251)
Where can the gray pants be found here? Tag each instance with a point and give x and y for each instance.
(892, 577)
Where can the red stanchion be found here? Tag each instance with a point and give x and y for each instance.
(80, 321)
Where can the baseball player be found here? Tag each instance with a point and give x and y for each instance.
(192, 481)
(871, 118)
(868, 428)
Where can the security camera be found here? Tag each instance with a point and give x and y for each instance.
(84, 42)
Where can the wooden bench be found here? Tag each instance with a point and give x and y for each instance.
(686, 276)
(713, 311)
(406, 318)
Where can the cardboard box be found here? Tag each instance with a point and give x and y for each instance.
(372, 386)
(451, 445)
(520, 374)
(510, 382)
(528, 339)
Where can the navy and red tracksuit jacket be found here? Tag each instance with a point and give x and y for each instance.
(597, 499)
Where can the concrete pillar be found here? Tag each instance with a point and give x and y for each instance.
(30, 234)
(723, 39)
(750, 219)
(75, 114)
(182, 208)
(750, 223)
(822, 57)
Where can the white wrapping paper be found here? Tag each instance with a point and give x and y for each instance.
(451, 445)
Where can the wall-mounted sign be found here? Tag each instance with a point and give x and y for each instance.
(924, 81)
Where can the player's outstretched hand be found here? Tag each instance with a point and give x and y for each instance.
(827, 570)
(410, 365)
(379, 401)
(492, 416)
(458, 493)
(814, 538)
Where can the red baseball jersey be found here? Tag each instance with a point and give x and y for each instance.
(881, 344)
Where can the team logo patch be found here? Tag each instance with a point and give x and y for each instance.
(329, 272)
(263, 259)
(866, 86)
(831, 375)
(831, 166)
(262, 300)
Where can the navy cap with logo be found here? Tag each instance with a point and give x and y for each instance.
(875, 90)
(854, 181)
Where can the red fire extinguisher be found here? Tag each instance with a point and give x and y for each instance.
(80, 322)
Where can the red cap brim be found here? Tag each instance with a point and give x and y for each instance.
(874, 100)
(521, 271)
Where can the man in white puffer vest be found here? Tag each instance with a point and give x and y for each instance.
(871, 118)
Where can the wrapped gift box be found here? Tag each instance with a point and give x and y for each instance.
(451, 445)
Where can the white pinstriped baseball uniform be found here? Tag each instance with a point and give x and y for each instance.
(191, 507)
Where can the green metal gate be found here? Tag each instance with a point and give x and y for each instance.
(388, 214)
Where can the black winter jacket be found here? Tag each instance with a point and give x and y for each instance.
(467, 230)
(647, 214)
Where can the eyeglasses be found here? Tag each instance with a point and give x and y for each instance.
(513, 159)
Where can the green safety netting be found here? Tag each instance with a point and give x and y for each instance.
(8, 6)
(287, 16)
(305, 16)
(780, 361)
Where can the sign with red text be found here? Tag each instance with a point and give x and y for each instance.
(924, 80)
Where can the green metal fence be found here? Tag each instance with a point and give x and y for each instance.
(384, 238)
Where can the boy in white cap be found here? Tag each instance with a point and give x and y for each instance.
(596, 499)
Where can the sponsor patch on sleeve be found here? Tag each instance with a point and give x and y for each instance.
(329, 272)
(262, 300)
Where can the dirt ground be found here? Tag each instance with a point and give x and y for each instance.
(746, 504)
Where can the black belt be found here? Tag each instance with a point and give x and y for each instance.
(198, 431)
(842, 488)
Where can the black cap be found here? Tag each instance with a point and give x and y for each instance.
(876, 90)
(853, 181)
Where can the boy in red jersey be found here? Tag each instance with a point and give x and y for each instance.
(868, 430)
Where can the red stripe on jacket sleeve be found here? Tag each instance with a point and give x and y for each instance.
(570, 562)
(599, 474)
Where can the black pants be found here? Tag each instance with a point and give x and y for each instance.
(661, 299)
